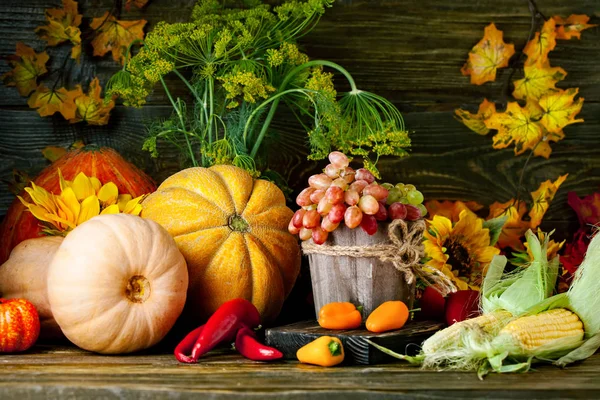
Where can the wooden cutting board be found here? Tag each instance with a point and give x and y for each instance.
(289, 338)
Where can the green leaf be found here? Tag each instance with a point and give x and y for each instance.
(495, 226)
(587, 349)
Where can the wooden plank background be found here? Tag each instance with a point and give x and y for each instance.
(409, 51)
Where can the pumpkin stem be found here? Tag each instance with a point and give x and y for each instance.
(237, 223)
(137, 289)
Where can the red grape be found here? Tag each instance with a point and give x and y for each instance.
(320, 181)
(317, 195)
(365, 175)
(412, 212)
(369, 224)
(292, 229)
(382, 214)
(331, 171)
(397, 211)
(358, 185)
(303, 198)
(339, 159)
(319, 235)
(368, 204)
(351, 197)
(335, 194)
(340, 182)
(305, 234)
(327, 225)
(297, 218)
(377, 191)
(311, 219)
(348, 174)
(353, 217)
(324, 206)
(336, 214)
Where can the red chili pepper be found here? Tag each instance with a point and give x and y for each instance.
(224, 324)
(186, 345)
(248, 346)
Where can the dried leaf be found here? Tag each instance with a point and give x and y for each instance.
(91, 107)
(49, 101)
(487, 56)
(517, 124)
(587, 208)
(542, 198)
(537, 49)
(559, 109)
(515, 227)
(53, 153)
(115, 36)
(476, 122)
(572, 26)
(27, 67)
(137, 3)
(20, 180)
(539, 79)
(62, 25)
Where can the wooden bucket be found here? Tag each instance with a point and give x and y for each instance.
(364, 281)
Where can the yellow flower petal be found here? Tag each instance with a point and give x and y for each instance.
(123, 199)
(108, 194)
(83, 187)
(63, 182)
(70, 201)
(112, 209)
(41, 197)
(90, 207)
(96, 184)
(134, 207)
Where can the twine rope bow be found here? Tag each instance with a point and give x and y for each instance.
(404, 250)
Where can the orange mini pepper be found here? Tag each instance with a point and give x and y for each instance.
(325, 351)
(339, 315)
(388, 316)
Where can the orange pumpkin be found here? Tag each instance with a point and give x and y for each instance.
(19, 325)
(102, 162)
(232, 231)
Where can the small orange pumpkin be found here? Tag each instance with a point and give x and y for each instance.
(19, 325)
(232, 231)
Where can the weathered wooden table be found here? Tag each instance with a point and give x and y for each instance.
(65, 373)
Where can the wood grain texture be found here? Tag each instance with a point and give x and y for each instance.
(288, 339)
(51, 373)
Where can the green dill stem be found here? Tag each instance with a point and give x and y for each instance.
(181, 121)
(211, 88)
(188, 84)
(285, 82)
(128, 52)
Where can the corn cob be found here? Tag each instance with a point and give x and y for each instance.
(490, 323)
(533, 331)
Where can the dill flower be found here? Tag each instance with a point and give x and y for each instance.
(461, 251)
(80, 200)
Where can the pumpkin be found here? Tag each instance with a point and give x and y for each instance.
(19, 325)
(24, 276)
(117, 284)
(102, 162)
(232, 231)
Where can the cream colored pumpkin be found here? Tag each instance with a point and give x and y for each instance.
(117, 284)
(24, 275)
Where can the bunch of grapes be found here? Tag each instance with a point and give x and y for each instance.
(343, 194)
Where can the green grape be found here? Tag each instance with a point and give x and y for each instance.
(393, 196)
(403, 200)
(410, 187)
(414, 197)
(388, 186)
(423, 209)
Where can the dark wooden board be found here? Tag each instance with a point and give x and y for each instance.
(288, 339)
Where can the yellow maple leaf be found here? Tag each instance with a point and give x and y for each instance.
(62, 25)
(137, 3)
(515, 227)
(539, 79)
(537, 49)
(518, 125)
(27, 66)
(572, 26)
(91, 107)
(475, 122)
(115, 36)
(559, 109)
(49, 101)
(542, 198)
(487, 56)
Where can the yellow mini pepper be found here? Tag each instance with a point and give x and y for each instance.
(339, 315)
(325, 351)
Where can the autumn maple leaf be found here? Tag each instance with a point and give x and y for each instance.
(91, 107)
(540, 78)
(450, 209)
(514, 227)
(49, 101)
(542, 198)
(63, 25)
(572, 26)
(487, 56)
(476, 122)
(559, 109)
(518, 125)
(27, 67)
(115, 36)
(537, 49)
(137, 3)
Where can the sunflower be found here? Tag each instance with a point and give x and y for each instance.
(461, 251)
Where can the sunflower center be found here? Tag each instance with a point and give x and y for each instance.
(459, 258)
(237, 223)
